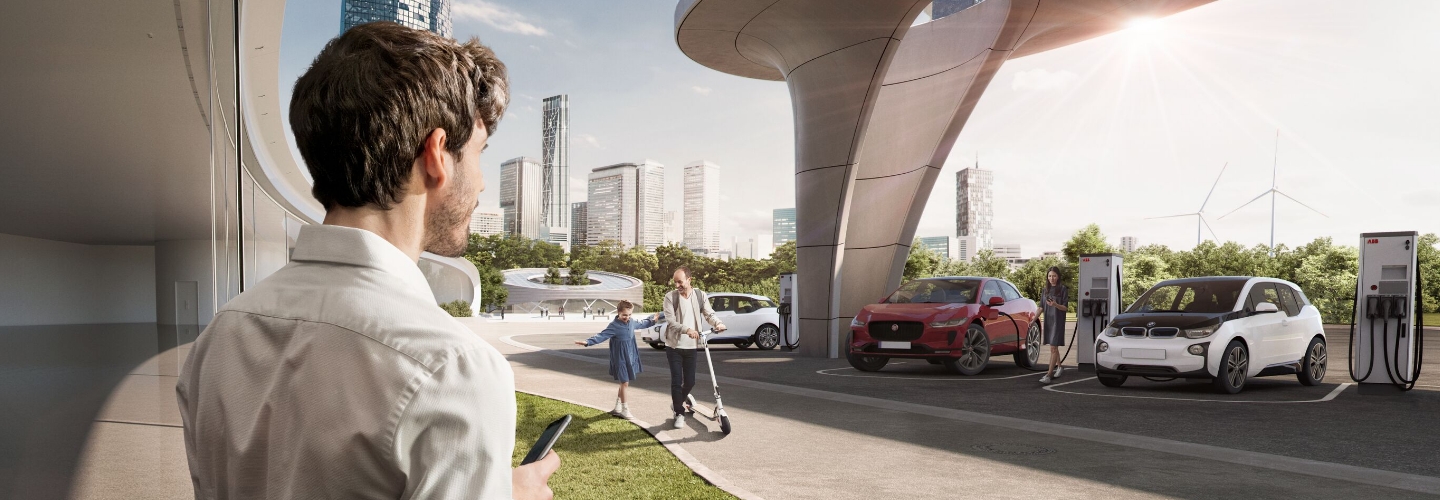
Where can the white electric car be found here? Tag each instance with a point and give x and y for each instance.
(1225, 329)
(749, 319)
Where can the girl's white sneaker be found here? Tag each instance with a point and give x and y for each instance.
(625, 412)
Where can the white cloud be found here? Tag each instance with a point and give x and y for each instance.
(591, 140)
(1041, 80)
(497, 16)
(701, 90)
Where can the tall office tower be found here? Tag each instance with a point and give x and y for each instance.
(672, 228)
(555, 156)
(577, 224)
(702, 206)
(433, 15)
(974, 206)
(945, 246)
(782, 228)
(486, 223)
(625, 203)
(1127, 243)
(520, 200)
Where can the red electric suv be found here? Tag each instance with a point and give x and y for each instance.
(956, 321)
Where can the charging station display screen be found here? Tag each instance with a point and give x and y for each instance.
(1207, 297)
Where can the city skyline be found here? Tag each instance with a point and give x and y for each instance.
(1052, 126)
(432, 15)
(702, 206)
(623, 205)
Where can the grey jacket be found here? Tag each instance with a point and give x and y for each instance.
(674, 323)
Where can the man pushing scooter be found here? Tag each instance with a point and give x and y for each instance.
(684, 306)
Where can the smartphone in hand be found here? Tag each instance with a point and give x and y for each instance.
(547, 440)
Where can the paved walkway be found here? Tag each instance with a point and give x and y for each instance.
(792, 441)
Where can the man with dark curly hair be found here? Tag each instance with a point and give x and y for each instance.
(339, 376)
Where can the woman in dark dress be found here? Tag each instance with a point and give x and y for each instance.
(1057, 296)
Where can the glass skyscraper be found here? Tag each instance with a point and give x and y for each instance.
(520, 196)
(625, 205)
(433, 15)
(702, 206)
(555, 158)
(782, 228)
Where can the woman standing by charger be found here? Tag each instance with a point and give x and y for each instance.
(1056, 298)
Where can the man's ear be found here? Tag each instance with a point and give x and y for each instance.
(433, 160)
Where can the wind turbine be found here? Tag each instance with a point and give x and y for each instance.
(1200, 214)
(1274, 190)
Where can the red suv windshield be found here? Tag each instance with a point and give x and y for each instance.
(936, 291)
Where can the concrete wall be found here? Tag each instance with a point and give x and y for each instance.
(182, 260)
(46, 282)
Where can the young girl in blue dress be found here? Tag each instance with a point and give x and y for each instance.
(624, 356)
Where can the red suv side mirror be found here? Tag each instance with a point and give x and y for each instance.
(997, 301)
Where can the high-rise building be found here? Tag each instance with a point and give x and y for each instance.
(945, 246)
(764, 246)
(782, 227)
(974, 206)
(1127, 243)
(433, 15)
(555, 158)
(487, 223)
(520, 189)
(702, 206)
(672, 228)
(624, 205)
(577, 224)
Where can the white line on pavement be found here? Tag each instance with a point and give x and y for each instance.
(1336, 392)
(937, 379)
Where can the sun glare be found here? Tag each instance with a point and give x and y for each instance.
(1144, 28)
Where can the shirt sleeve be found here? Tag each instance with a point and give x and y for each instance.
(604, 335)
(673, 323)
(455, 437)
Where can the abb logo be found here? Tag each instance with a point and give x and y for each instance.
(1372, 241)
(1085, 260)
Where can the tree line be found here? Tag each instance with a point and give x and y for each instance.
(495, 253)
(1325, 271)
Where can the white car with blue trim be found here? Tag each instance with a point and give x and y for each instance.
(1225, 329)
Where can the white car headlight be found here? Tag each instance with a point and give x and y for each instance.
(1102, 346)
(1200, 333)
(947, 324)
(1112, 332)
(856, 323)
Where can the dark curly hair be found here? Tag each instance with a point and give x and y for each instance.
(364, 108)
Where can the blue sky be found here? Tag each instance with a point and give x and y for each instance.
(1113, 130)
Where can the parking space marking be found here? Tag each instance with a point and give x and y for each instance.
(1336, 392)
(897, 377)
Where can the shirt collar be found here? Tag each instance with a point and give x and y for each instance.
(358, 247)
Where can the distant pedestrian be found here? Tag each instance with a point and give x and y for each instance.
(1057, 297)
(624, 356)
(684, 309)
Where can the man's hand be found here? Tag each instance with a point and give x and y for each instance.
(720, 328)
(531, 481)
(692, 334)
(654, 317)
(581, 343)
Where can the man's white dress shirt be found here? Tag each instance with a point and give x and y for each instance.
(339, 377)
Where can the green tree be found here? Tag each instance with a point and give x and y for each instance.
(670, 257)
(609, 256)
(458, 308)
(492, 287)
(1141, 271)
(1085, 241)
(655, 297)
(783, 258)
(1030, 277)
(921, 263)
(578, 276)
(512, 252)
(1429, 257)
(552, 276)
(1327, 276)
(986, 263)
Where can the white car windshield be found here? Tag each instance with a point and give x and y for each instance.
(1190, 297)
(936, 291)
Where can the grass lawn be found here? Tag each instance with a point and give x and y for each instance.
(603, 457)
